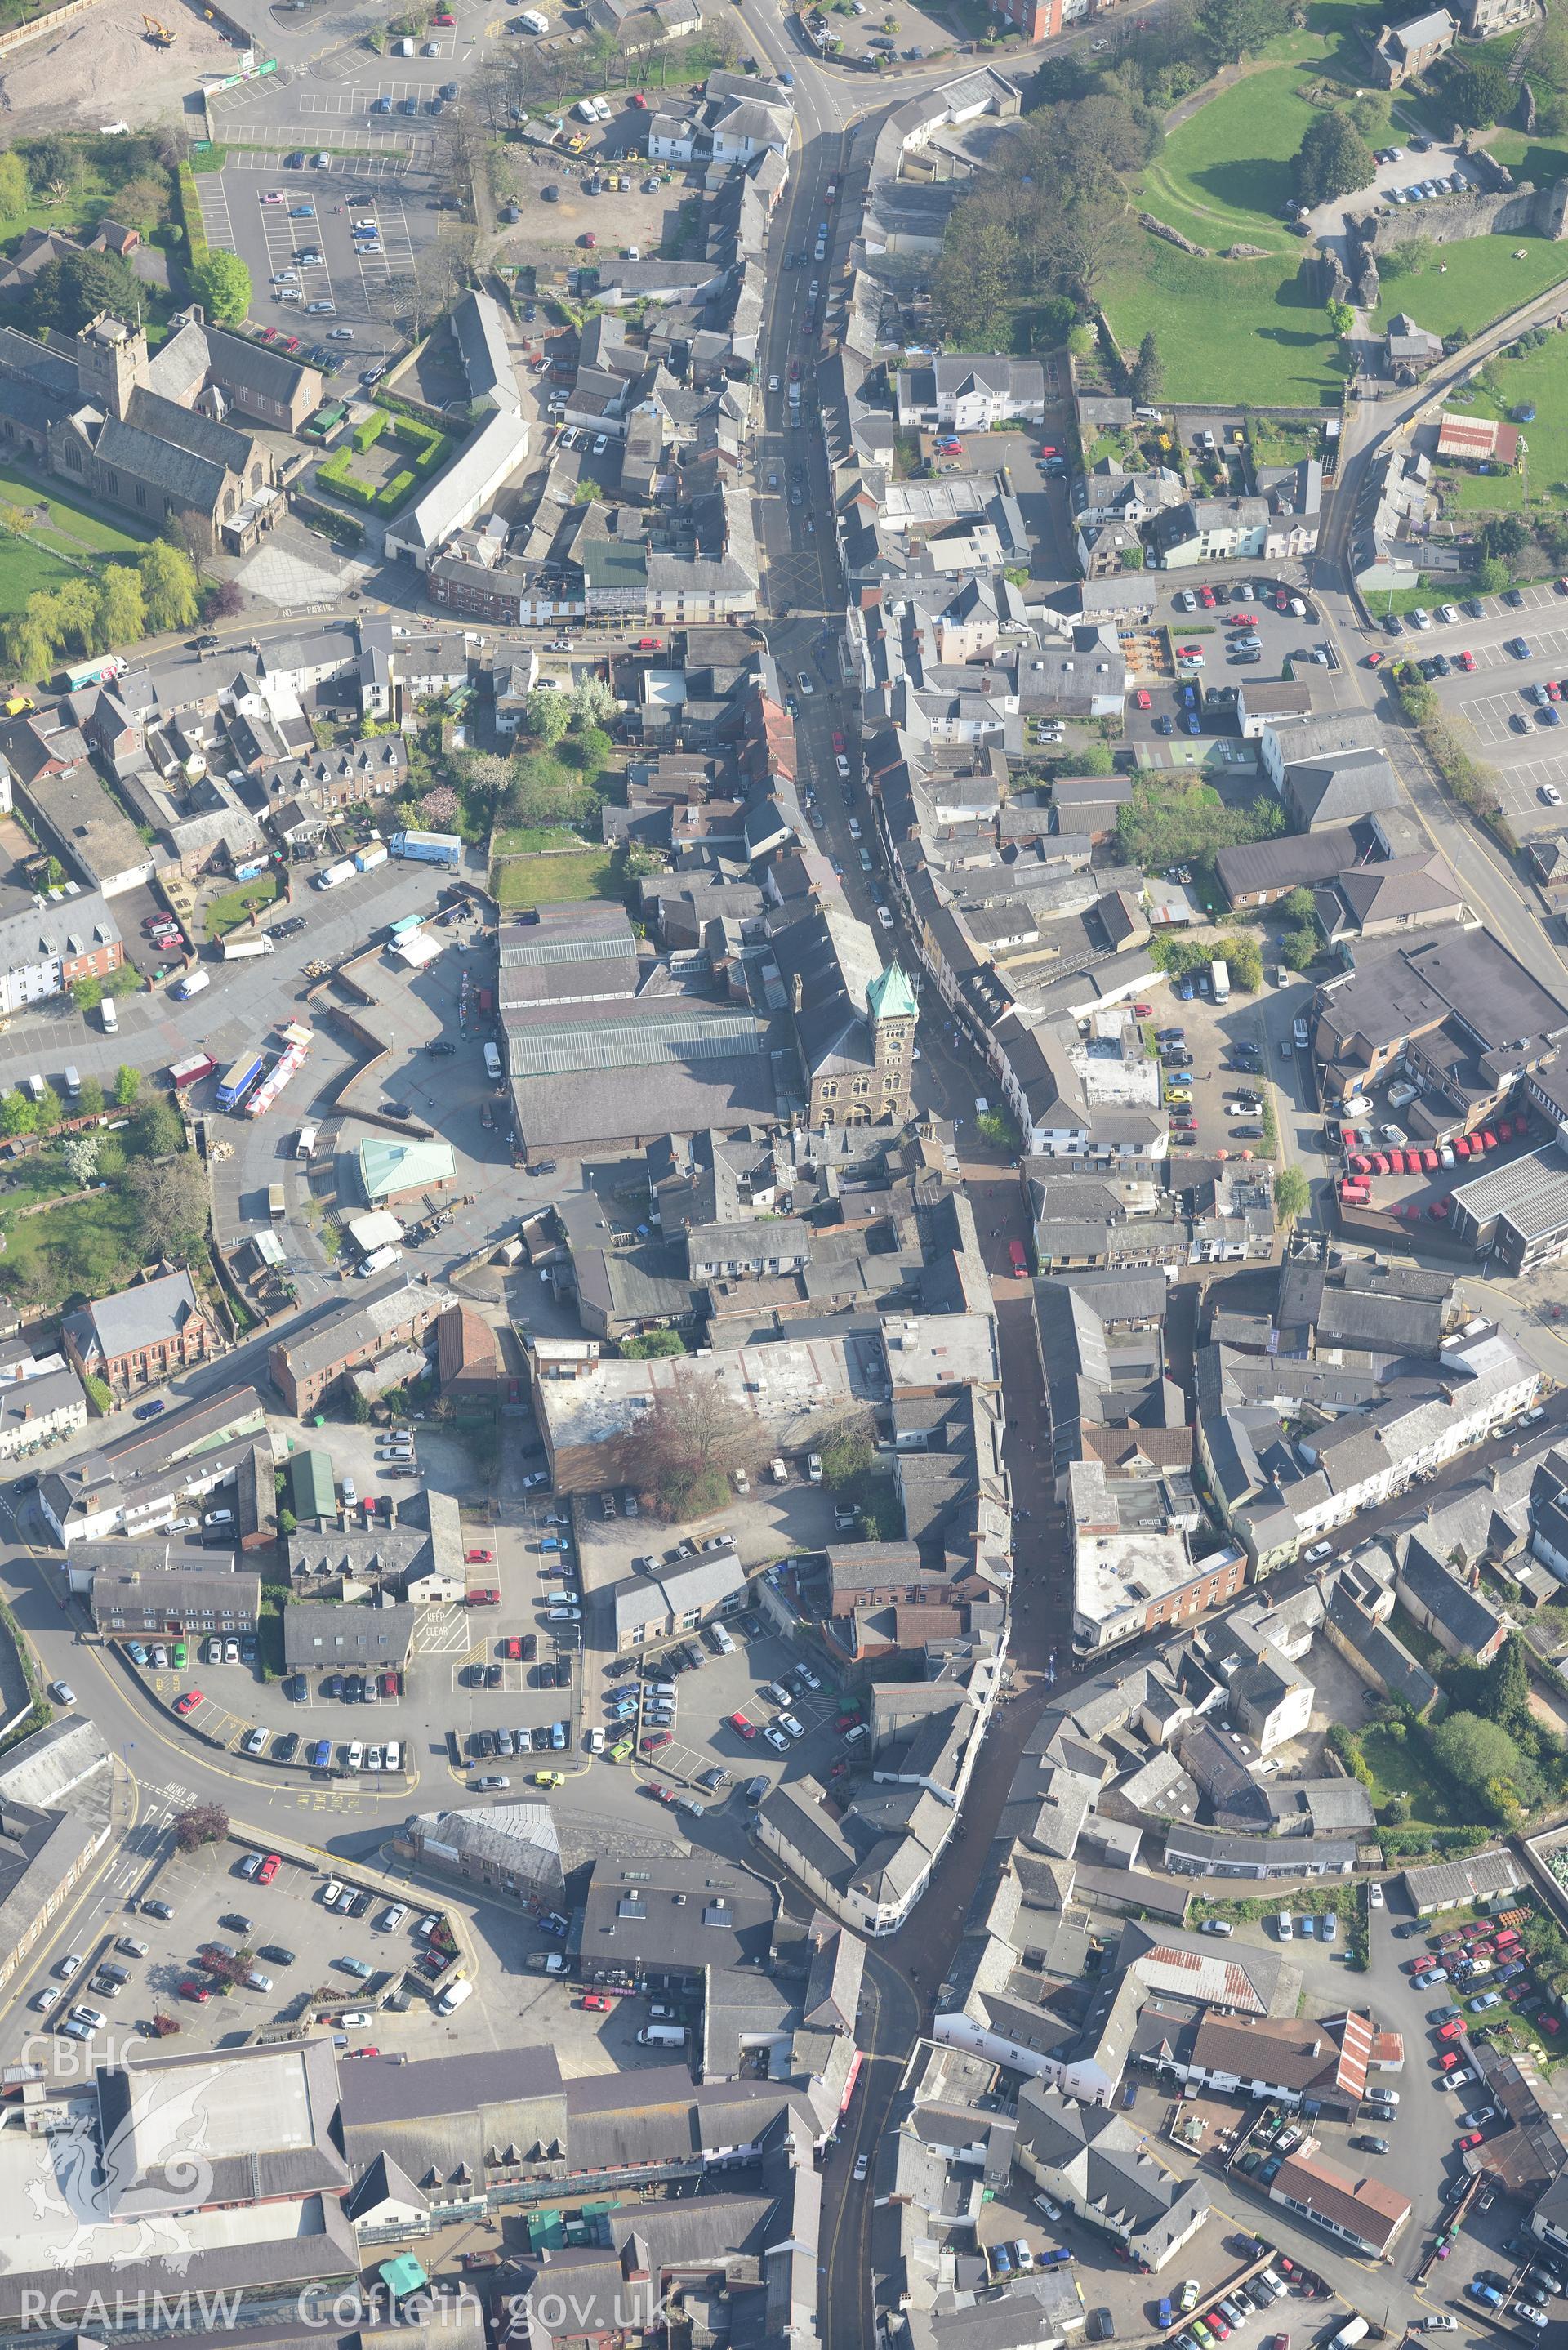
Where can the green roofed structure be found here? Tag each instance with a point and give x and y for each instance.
(390, 1171)
(311, 1491)
(402, 2276)
(891, 997)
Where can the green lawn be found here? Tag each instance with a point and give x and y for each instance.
(1538, 376)
(521, 839)
(26, 570)
(1396, 1766)
(228, 913)
(73, 530)
(85, 1247)
(1481, 282)
(1224, 175)
(553, 880)
(1204, 313)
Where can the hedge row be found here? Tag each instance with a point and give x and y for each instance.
(365, 436)
(190, 208)
(385, 501)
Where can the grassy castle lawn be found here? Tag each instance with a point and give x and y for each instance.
(1223, 179)
(1227, 328)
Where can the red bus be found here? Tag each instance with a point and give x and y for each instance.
(1017, 1260)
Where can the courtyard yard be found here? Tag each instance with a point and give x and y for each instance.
(71, 528)
(1535, 376)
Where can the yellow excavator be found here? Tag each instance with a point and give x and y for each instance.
(160, 36)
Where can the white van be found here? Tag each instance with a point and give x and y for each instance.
(192, 984)
(355, 1758)
(394, 1758)
(306, 1143)
(381, 1259)
(1285, 1931)
(454, 1997)
(493, 1063)
(110, 1017)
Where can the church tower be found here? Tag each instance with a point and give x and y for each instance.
(890, 1002)
(111, 361)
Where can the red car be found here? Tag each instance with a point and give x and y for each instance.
(480, 1558)
(1206, 598)
(795, 370)
(1218, 2326)
(1143, 1011)
(189, 1702)
(1449, 2031)
(650, 644)
(838, 1770)
(1470, 2137)
(596, 2003)
(660, 1794)
(1447, 2060)
(1144, 699)
(1374, 661)
(268, 1869)
(1248, 621)
(847, 1721)
(738, 1721)
(1466, 662)
(1553, 690)
(655, 1740)
(513, 1648)
(837, 745)
(638, 100)
(1282, 601)
(1049, 449)
(194, 1991)
(371, 2051)
(483, 1598)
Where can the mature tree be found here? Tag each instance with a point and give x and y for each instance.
(69, 292)
(593, 704)
(1296, 907)
(54, 165)
(50, 1109)
(122, 608)
(222, 283)
(1230, 30)
(143, 200)
(1480, 1758)
(29, 647)
(686, 1443)
(1341, 317)
(1505, 538)
(847, 1454)
(1333, 159)
(157, 1132)
(127, 1085)
(169, 583)
(549, 713)
(89, 1100)
(81, 1155)
(1491, 576)
(972, 277)
(171, 1198)
(591, 749)
(228, 601)
(1148, 371)
(17, 1115)
(203, 1824)
(13, 188)
(1094, 759)
(1508, 1688)
(1292, 1194)
(1302, 948)
(1478, 94)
